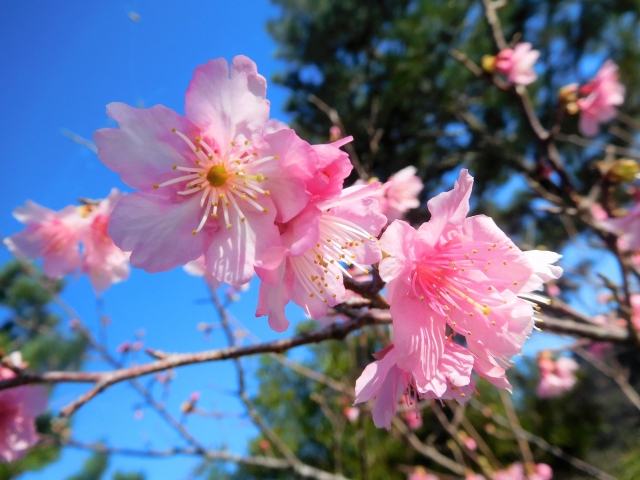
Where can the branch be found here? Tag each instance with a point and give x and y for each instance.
(542, 443)
(259, 461)
(104, 380)
(426, 450)
(616, 376)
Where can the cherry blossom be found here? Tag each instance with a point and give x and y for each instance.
(627, 228)
(556, 377)
(53, 236)
(103, 261)
(456, 271)
(57, 237)
(516, 471)
(517, 63)
(318, 242)
(600, 97)
(419, 473)
(19, 407)
(210, 182)
(387, 383)
(413, 419)
(399, 194)
(351, 413)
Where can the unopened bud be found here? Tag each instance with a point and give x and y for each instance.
(623, 170)
(572, 108)
(568, 93)
(335, 133)
(488, 63)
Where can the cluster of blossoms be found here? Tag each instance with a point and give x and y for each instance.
(19, 408)
(230, 194)
(57, 238)
(453, 281)
(239, 195)
(596, 100)
(556, 377)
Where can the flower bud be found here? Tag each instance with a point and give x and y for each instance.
(568, 93)
(488, 63)
(335, 133)
(623, 170)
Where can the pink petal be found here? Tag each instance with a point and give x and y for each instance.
(301, 233)
(157, 231)
(272, 299)
(144, 149)
(418, 338)
(370, 381)
(395, 243)
(287, 176)
(234, 252)
(447, 208)
(225, 104)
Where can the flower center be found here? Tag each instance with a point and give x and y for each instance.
(228, 182)
(217, 175)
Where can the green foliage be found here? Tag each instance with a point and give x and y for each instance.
(128, 476)
(385, 66)
(29, 326)
(93, 467)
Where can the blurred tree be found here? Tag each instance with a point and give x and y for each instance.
(386, 68)
(33, 329)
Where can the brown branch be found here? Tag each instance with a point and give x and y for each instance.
(542, 443)
(453, 432)
(514, 424)
(242, 392)
(490, 11)
(615, 375)
(258, 461)
(426, 450)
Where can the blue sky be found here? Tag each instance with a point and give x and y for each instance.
(62, 62)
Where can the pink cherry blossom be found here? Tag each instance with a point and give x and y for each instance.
(601, 95)
(516, 471)
(635, 313)
(335, 133)
(330, 168)
(387, 383)
(555, 377)
(421, 474)
(413, 419)
(53, 236)
(351, 413)
(474, 476)
(456, 271)
(627, 228)
(401, 193)
(57, 236)
(517, 63)
(19, 407)
(210, 182)
(103, 261)
(318, 241)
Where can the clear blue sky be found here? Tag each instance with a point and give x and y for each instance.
(61, 63)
